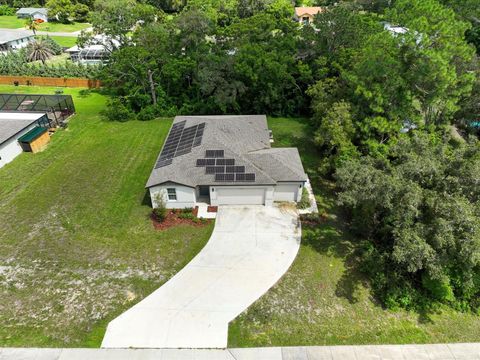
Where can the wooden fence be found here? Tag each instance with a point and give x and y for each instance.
(50, 81)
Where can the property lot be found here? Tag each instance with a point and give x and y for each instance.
(76, 245)
(323, 299)
(11, 22)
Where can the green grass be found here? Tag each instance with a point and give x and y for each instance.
(324, 299)
(76, 245)
(11, 22)
(64, 41)
(59, 27)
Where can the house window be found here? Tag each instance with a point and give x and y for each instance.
(172, 194)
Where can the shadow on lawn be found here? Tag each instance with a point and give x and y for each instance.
(332, 238)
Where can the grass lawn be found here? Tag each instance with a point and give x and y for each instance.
(64, 41)
(59, 27)
(76, 244)
(323, 299)
(11, 22)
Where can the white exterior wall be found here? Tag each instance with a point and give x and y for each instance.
(288, 191)
(10, 149)
(185, 196)
(20, 43)
(221, 194)
(37, 16)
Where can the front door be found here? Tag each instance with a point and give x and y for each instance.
(204, 190)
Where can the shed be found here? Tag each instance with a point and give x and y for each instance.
(35, 140)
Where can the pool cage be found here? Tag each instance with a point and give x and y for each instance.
(90, 55)
(57, 107)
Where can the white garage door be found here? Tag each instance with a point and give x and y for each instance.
(284, 192)
(240, 196)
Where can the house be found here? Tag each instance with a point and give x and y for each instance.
(33, 13)
(224, 160)
(306, 14)
(21, 132)
(11, 40)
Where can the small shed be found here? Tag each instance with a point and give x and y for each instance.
(35, 140)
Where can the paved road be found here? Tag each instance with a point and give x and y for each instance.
(368, 352)
(250, 249)
(51, 33)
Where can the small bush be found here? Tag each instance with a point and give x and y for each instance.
(6, 10)
(186, 215)
(312, 219)
(148, 113)
(160, 211)
(117, 111)
(305, 200)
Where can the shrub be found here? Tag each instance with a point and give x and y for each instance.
(117, 111)
(160, 211)
(305, 200)
(186, 215)
(148, 113)
(6, 10)
(80, 12)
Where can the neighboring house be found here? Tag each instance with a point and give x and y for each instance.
(33, 13)
(12, 40)
(224, 160)
(306, 14)
(21, 132)
(88, 55)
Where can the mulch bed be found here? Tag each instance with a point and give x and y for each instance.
(173, 219)
(212, 209)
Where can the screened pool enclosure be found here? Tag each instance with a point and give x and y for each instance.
(57, 107)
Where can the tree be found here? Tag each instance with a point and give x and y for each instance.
(60, 10)
(80, 12)
(418, 213)
(39, 50)
(31, 24)
(438, 56)
(115, 19)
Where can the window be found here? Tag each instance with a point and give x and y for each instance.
(172, 194)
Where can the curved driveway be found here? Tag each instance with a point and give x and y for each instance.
(249, 250)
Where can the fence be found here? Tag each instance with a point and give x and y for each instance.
(49, 81)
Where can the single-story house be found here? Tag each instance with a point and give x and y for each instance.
(12, 40)
(21, 132)
(224, 160)
(306, 14)
(33, 13)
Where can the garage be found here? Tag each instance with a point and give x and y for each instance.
(286, 192)
(240, 196)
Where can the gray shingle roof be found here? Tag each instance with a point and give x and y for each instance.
(13, 123)
(244, 138)
(31, 11)
(8, 36)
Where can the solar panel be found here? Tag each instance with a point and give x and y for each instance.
(210, 162)
(224, 177)
(249, 177)
(239, 169)
(239, 177)
(210, 170)
(230, 169)
(214, 153)
(219, 169)
(201, 162)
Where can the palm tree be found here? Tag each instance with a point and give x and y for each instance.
(31, 24)
(39, 50)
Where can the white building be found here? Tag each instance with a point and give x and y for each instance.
(33, 13)
(224, 160)
(11, 40)
(14, 125)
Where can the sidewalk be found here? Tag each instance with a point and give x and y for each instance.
(368, 352)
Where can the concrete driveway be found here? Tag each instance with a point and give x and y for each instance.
(249, 250)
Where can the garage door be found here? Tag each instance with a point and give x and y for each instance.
(284, 192)
(240, 196)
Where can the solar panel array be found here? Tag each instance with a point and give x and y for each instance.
(180, 141)
(223, 168)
